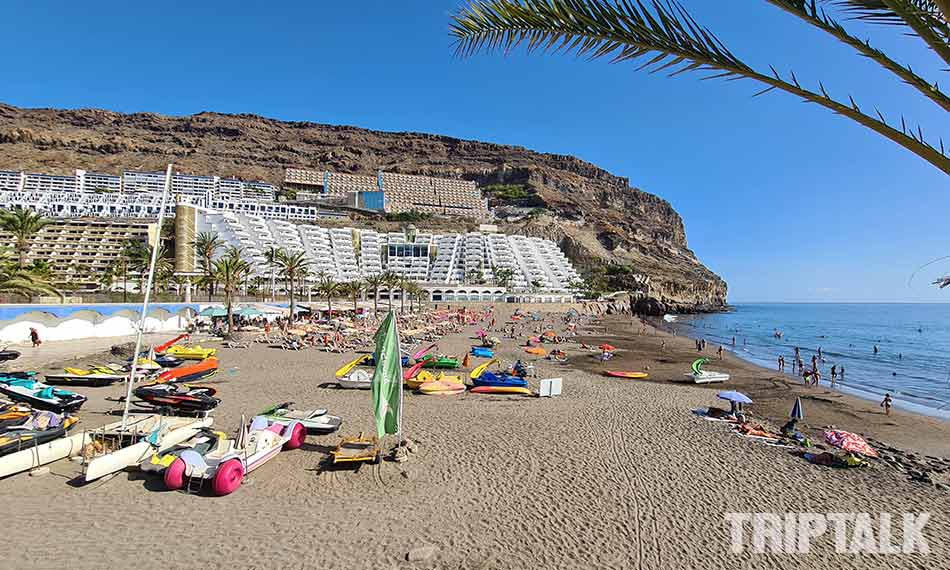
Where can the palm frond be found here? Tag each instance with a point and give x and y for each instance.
(665, 38)
(808, 11)
(926, 18)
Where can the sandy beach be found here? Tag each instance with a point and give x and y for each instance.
(612, 474)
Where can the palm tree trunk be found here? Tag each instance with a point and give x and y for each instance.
(292, 304)
(330, 305)
(22, 246)
(402, 301)
(228, 294)
(376, 302)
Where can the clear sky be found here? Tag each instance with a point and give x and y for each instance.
(785, 200)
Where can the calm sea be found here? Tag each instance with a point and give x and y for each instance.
(913, 362)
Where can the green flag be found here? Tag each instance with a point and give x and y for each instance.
(387, 380)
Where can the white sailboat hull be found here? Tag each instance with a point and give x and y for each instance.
(180, 429)
(42, 454)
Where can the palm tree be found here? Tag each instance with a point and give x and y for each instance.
(414, 290)
(271, 254)
(407, 287)
(24, 224)
(139, 255)
(15, 280)
(503, 276)
(391, 280)
(374, 283)
(207, 244)
(329, 288)
(353, 289)
(293, 266)
(668, 38)
(230, 271)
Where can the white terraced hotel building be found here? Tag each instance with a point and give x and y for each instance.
(450, 266)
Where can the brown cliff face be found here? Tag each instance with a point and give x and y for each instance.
(595, 216)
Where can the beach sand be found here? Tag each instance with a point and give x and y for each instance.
(612, 474)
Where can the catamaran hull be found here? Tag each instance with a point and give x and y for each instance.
(138, 452)
(42, 454)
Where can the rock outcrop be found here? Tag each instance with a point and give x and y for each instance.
(598, 218)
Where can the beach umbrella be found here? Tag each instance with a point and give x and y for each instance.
(248, 312)
(608, 347)
(213, 312)
(798, 412)
(850, 442)
(737, 397)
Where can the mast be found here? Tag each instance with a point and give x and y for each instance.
(148, 294)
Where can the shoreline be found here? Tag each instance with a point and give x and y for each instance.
(860, 391)
(773, 393)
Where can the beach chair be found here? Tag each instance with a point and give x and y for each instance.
(357, 450)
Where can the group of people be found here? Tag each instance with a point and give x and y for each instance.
(812, 375)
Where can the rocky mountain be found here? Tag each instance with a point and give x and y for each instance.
(623, 236)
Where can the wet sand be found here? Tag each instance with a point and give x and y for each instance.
(612, 474)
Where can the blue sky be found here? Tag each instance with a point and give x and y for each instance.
(785, 200)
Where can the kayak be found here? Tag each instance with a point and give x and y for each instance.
(346, 368)
(190, 373)
(412, 371)
(480, 369)
(443, 386)
(500, 380)
(421, 352)
(500, 390)
(626, 374)
(41, 396)
(191, 352)
(431, 361)
(482, 352)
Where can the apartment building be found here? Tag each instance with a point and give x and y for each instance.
(395, 193)
(79, 251)
(444, 261)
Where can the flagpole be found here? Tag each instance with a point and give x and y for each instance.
(399, 357)
(148, 293)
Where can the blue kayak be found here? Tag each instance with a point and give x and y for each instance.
(482, 352)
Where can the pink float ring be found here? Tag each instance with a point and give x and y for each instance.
(175, 475)
(228, 478)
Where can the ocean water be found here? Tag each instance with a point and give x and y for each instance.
(913, 362)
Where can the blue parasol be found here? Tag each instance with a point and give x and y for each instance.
(798, 412)
(737, 397)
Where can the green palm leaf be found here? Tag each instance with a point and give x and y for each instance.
(926, 18)
(663, 38)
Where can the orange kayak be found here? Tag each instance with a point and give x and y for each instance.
(626, 374)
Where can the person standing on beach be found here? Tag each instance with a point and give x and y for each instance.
(702, 345)
(733, 341)
(35, 337)
(886, 404)
(798, 353)
(834, 374)
(719, 352)
(842, 372)
(814, 362)
(819, 353)
(781, 363)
